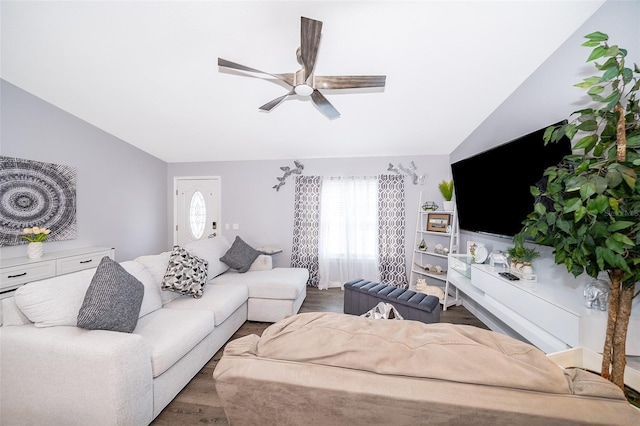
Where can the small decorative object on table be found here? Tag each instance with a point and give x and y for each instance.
(499, 258)
(429, 206)
(596, 295)
(440, 249)
(422, 246)
(35, 236)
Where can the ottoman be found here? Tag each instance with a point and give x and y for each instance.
(362, 295)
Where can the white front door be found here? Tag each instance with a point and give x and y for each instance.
(197, 209)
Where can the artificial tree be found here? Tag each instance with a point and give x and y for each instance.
(588, 210)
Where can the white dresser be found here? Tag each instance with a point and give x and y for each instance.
(17, 271)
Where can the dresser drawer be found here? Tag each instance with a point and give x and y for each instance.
(70, 264)
(15, 276)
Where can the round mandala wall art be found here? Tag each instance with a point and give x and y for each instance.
(33, 193)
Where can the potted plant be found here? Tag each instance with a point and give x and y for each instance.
(446, 189)
(521, 257)
(588, 208)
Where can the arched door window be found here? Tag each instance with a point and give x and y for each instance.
(197, 214)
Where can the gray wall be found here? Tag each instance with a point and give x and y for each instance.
(265, 216)
(548, 95)
(121, 191)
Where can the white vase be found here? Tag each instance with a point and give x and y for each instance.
(35, 250)
(448, 206)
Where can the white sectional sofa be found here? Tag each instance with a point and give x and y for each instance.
(53, 372)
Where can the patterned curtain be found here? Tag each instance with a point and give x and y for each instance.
(306, 227)
(391, 245)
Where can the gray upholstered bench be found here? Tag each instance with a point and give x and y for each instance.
(362, 295)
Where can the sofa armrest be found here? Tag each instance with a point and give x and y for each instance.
(68, 375)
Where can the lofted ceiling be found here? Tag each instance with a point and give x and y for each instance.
(146, 71)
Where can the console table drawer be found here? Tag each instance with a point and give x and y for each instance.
(77, 263)
(15, 276)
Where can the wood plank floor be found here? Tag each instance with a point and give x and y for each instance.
(198, 403)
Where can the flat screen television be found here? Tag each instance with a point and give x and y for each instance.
(492, 188)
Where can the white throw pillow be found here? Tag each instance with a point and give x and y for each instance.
(54, 301)
(262, 263)
(211, 250)
(157, 265)
(151, 300)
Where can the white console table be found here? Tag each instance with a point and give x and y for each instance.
(549, 313)
(17, 271)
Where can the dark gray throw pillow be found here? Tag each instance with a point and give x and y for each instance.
(113, 299)
(240, 256)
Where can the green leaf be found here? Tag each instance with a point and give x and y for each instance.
(588, 126)
(633, 141)
(614, 204)
(610, 74)
(580, 213)
(629, 175)
(598, 52)
(621, 238)
(614, 178)
(595, 90)
(597, 36)
(601, 203)
(534, 190)
(587, 190)
(572, 205)
(540, 209)
(621, 224)
(586, 143)
(614, 245)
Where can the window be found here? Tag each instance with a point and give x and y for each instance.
(197, 214)
(348, 241)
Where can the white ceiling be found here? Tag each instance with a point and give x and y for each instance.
(147, 71)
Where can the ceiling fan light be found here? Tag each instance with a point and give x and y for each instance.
(303, 90)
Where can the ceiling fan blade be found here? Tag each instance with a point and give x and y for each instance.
(274, 103)
(349, 81)
(287, 78)
(310, 30)
(324, 105)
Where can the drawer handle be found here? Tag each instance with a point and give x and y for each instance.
(17, 275)
(86, 261)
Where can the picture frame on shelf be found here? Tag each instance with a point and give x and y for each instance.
(438, 222)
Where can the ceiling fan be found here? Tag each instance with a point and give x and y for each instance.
(303, 82)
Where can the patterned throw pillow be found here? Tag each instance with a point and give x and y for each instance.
(186, 273)
(240, 256)
(113, 299)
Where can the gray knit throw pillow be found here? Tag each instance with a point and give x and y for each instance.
(113, 299)
(240, 256)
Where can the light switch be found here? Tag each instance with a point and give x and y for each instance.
(226, 226)
(236, 226)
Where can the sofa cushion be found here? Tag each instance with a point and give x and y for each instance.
(171, 333)
(54, 301)
(186, 273)
(156, 265)
(240, 256)
(113, 299)
(211, 249)
(222, 300)
(277, 283)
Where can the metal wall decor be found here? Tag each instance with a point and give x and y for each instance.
(408, 171)
(33, 193)
(288, 171)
